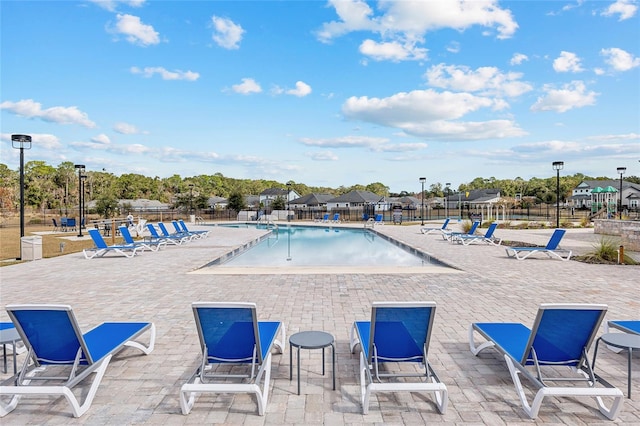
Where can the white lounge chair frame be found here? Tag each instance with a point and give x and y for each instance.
(201, 380)
(466, 239)
(125, 250)
(584, 369)
(444, 228)
(369, 384)
(556, 252)
(20, 384)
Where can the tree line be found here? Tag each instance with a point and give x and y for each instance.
(49, 187)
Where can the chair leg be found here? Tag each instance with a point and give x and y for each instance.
(152, 341)
(365, 391)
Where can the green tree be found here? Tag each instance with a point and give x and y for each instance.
(236, 202)
(278, 203)
(106, 206)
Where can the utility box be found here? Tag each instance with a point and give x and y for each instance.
(31, 248)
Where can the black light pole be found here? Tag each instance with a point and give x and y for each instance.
(83, 210)
(621, 171)
(80, 168)
(422, 181)
(288, 195)
(446, 200)
(190, 199)
(557, 166)
(21, 142)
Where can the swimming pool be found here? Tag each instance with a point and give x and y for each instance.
(292, 246)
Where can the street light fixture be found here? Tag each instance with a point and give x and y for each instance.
(21, 142)
(557, 166)
(621, 171)
(80, 168)
(422, 181)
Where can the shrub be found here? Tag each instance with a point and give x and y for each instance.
(606, 251)
(585, 222)
(466, 226)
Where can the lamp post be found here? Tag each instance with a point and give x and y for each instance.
(83, 211)
(190, 199)
(621, 171)
(557, 166)
(422, 181)
(288, 196)
(80, 168)
(21, 142)
(446, 200)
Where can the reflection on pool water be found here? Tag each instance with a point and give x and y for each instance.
(300, 246)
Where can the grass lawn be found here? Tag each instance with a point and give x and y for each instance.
(10, 242)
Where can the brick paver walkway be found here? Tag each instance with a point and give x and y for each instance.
(159, 287)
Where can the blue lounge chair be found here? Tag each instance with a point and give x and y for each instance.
(171, 239)
(53, 338)
(397, 332)
(153, 244)
(466, 239)
(179, 231)
(561, 336)
(551, 249)
(325, 218)
(632, 327)
(448, 235)
(373, 221)
(336, 218)
(200, 233)
(101, 248)
(181, 237)
(230, 334)
(427, 229)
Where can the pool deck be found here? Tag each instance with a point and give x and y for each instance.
(488, 286)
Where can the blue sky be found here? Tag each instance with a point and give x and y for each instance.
(325, 93)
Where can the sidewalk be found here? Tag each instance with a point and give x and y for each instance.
(159, 287)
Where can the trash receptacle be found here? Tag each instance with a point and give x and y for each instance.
(31, 248)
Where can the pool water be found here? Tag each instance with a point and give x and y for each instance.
(300, 246)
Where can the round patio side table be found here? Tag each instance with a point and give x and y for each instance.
(312, 340)
(626, 341)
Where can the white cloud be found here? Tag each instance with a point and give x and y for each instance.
(403, 24)
(135, 31)
(111, 5)
(567, 62)
(62, 115)
(226, 34)
(302, 89)
(392, 51)
(126, 128)
(165, 74)
(375, 144)
(625, 8)
(620, 60)
(101, 139)
(323, 156)
(518, 58)
(485, 80)
(346, 142)
(247, 87)
(430, 114)
(571, 95)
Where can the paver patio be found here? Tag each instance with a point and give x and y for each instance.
(159, 287)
